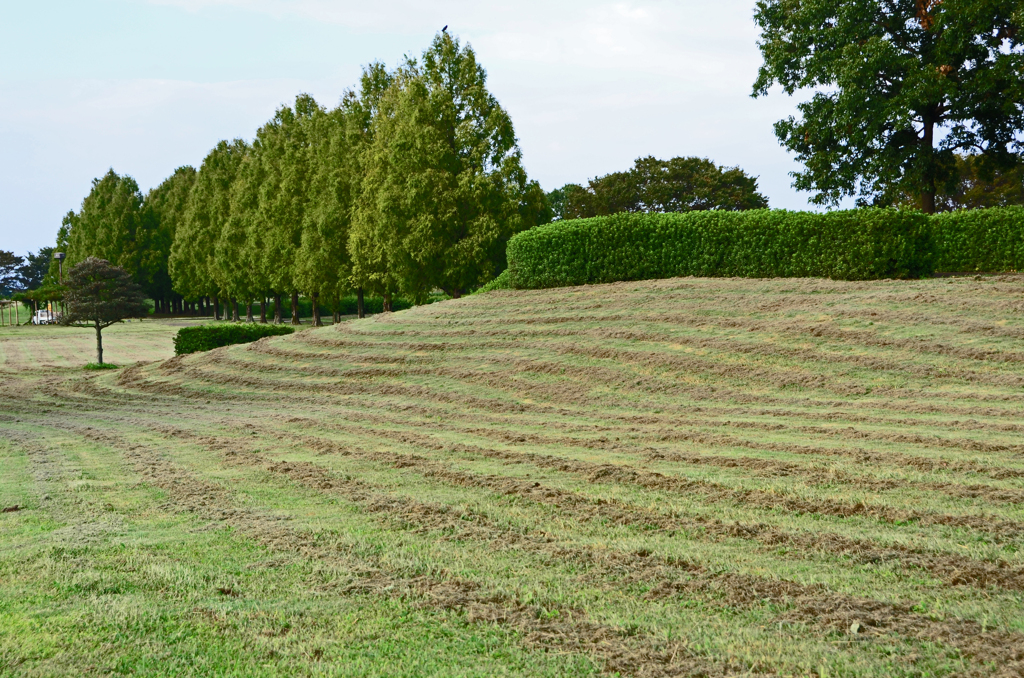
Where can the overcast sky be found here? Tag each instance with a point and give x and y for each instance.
(146, 86)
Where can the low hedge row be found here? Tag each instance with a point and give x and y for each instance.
(857, 244)
(206, 337)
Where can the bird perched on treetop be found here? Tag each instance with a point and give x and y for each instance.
(445, 29)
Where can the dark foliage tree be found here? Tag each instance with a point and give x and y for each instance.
(980, 185)
(10, 264)
(652, 185)
(32, 273)
(98, 295)
(901, 86)
(556, 201)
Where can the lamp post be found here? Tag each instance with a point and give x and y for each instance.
(59, 256)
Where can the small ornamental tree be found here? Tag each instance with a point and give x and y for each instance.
(99, 295)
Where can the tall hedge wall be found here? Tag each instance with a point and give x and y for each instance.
(985, 240)
(857, 244)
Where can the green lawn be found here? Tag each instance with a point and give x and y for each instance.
(678, 477)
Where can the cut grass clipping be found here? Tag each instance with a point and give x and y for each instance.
(207, 337)
(680, 477)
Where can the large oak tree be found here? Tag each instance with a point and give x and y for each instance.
(900, 87)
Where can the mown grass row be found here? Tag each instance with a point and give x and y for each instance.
(628, 475)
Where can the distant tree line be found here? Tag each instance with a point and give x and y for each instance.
(652, 185)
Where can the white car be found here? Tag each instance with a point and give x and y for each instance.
(44, 318)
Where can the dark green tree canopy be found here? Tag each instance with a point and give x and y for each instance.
(163, 213)
(10, 265)
(981, 185)
(33, 271)
(652, 185)
(900, 87)
(97, 295)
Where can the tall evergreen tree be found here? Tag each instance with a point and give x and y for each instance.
(193, 252)
(284, 193)
(110, 226)
(371, 269)
(164, 212)
(323, 267)
(444, 187)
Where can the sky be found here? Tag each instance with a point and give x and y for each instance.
(145, 86)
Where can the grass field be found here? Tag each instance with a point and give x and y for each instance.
(676, 477)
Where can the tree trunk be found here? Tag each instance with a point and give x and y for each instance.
(456, 293)
(928, 194)
(295, 309)
(277, 309)
(928, 201)
(99, 345)
(336, 317)
(316, 310)
(234, 309)
(359, 303)
(216, 307)
(248, 312)
(387, 302)
(263, 310)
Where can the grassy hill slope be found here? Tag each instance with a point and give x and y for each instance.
(673, 477)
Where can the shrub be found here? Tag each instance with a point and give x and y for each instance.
(101, 366)
(858, 244)
(989, 240)
(206, 337)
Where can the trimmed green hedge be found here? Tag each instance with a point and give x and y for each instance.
(860, 244)
(206, 337)
(985, 240)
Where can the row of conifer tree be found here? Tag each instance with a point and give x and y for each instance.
(413, 183)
